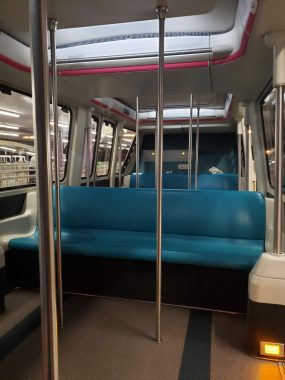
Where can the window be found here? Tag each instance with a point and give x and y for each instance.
(92, 143)
(105, 149)
(17, 152)
(268, 115)
(63, 141)
(126, 143)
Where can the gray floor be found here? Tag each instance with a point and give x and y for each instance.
(18, 304)
(228, 352)
(107, 339)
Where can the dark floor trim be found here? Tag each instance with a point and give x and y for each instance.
(16, 335)
(196, 358)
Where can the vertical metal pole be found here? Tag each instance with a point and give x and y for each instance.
(190, 142)
(40, 69)
(247, 157)
(197, 148)
(239, 160)
(137, 144)
(88, 132)
(120, 160)
(161, 11)
(54, 90)
(278, 203)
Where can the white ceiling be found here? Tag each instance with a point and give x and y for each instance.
(78, 13)
(245, 78)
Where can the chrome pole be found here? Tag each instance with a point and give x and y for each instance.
(88, 131)
(161, 11)
(40, 91)
(137, 144)
(120, 160)
(197, 148)
(239, 160)
(52, 28)
(278, 203)
(247, 157)
(190, 142)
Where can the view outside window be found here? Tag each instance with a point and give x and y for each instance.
(88, 155)
(268, 110)
(17, 152)
(126, 143)
(105, 149)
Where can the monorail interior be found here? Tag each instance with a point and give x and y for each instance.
(142, 190)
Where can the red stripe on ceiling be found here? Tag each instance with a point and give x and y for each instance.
(168, 66)
(14, 64)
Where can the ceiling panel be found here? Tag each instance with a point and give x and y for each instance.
(76, 13)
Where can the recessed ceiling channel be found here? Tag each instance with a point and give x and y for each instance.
(194, 41)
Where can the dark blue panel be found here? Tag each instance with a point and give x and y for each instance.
(215, 149)
(180, 181)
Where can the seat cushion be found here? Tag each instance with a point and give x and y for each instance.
(240, 254)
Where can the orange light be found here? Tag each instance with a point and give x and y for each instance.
(272, 349)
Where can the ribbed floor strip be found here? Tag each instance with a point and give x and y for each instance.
(196, 358)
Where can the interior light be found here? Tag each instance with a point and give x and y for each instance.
(93, 132)
(28, 137)
(60, 124)
(183, 153)
(8, 126)
(9, 134)
(272, 349)
(30, 153)
(9, 113)
(268, 151)
(7, 148)
(128, 140)
(152, 153)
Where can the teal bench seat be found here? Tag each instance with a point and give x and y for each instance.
(222, 229)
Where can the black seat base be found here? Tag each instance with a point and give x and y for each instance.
(208, 288)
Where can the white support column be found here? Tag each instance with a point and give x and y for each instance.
(276, 40)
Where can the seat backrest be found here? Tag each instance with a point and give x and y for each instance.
(229, 214)
(180, 181)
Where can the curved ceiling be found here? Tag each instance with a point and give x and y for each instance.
(245, 78)
(77, 13)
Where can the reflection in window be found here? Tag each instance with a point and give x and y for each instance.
(268, 111)
(88, 155)
(17, 152)
(105, 149)
(126, 143)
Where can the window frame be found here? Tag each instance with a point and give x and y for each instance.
(113, 125)
(93, 116)
(261, 103)
(32, 185)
